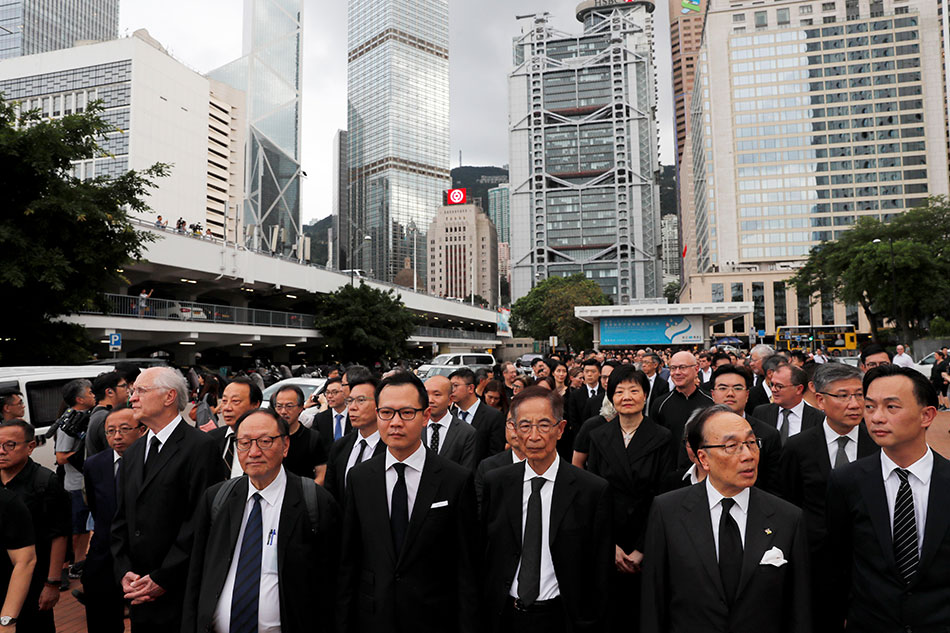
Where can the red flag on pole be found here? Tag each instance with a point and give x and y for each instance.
(684, 250)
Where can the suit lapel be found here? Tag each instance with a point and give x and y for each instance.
(866, 445)
(698, 526)
(515, 500)
(938, 517)
(451, 434)
(563, 495)
(617, 451)
(821, 452)
(872, 490)
(165, 454)
(758, 536)
(289, 517)
(428, 487)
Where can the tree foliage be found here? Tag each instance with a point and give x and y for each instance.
(672, 292)
(62, 240)
(899, 270)
(364, 324)
(548, 310)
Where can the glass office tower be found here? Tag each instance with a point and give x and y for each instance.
(269, 72)
(398, 132)
(38, 26)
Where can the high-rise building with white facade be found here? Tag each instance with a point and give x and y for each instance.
(28, 27)
(463, 253)
(583, 145)
(397, 130)
(669, 229)
(340, 196)
(162, 111)
(806, 116)
(499, 210)
(269, 72)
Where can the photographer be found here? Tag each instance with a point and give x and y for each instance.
(70, 452)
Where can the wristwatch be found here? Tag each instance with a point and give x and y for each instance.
(7, 620)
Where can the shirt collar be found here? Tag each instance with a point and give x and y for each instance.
(165, 433)
(921, 469)
(443, 421)
(714, 496)
(471, 411)
(831, 436)
(230, 430)
(515, 459)
(550, 474)
(115, 456)
(371, 441)
(416, 461)
(274, 491)
(690, 474)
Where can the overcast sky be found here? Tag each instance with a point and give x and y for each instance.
(207, 34)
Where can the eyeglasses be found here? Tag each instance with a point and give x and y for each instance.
(263, 443)
(360, 400)
(122, 385)
(681, 367)
(285, 407)
(544, 427)
(10, 446)
(733, 447)
(138, 391)
(844, 397)
(777, 386)
(406, 413)
(872, 364)
(124, 430)
(334, 392)
(725, 388)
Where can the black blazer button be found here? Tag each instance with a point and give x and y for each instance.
(138, 533)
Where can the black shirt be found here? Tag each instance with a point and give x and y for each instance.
(672, 410)
(50, 508)
(16, 532)
(305, 452)
(582, 441)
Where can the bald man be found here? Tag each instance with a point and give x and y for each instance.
(445, 434)
(673, 409)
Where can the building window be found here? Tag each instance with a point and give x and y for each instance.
(782, 16)
(718, 295)
(737, 291)
(851, 315)
(778, 303)
(805, 9)
(761, 19)
(804, 310)
(758, 300)
(827, 6)
(738, 17)
(827, 309)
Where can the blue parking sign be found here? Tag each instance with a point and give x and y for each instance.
(115, 342)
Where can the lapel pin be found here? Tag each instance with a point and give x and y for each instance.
(768, 530)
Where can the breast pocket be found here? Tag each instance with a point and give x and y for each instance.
(269, 556)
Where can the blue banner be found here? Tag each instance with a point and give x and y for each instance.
(671, 330)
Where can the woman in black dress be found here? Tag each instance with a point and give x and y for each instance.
(632, 453)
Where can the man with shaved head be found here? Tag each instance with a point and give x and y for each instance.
(673, 409)
(445, 434)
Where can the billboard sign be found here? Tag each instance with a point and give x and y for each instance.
(669, 330)
(504, 322)
(457, 196)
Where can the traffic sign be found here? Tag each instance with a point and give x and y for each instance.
(115, 342)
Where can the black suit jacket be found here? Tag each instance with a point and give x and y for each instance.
(593, 405)
(323, 422)
(757, 397)
(99, 475)
(681, 579)
(634, 472)
(489, 425)
(220, 437)
(486, 466)
(154, 522)
(457, 444)
(769, 455)
(862, 550)
(769, 413)
(660, 387)
(335, 480)
(431, 586)
(580, 542)
(577, 405)
(307, 557)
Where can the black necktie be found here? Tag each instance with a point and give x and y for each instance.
(434, 442)
(399, 515)
(118, 467)
(905, 529)
(463, 415)
(529, 576)
(730, 551)
(246, 594)
(359, 455)
(783, 432)
(229, 452)
(153, 447)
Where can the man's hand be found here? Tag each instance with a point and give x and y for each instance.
(143, 589)
(127, 581)
(48, 597)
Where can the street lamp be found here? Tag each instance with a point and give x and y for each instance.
(366, 240)
(890, 242)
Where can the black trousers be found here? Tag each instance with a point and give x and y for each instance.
(105, 607)
(544, 617)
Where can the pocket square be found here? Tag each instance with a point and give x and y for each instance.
(773, 557)
(440, 504)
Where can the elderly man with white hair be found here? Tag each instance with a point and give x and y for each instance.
(161, 478)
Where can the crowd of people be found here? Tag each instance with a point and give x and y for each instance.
(635, 490)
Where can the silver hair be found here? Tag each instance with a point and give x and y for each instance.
(762, 350)
(829, 373)
(170, 379)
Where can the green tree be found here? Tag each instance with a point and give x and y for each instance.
(363, 324)
(548, 310)
(672, 292)
(899, 270)
(62, 240)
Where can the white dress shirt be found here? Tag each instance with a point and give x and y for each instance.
(371, 442)
(691, 475)
(831, 440)
(413, 473)
(162, 436)
(515, 459)
(919, 481)
(768, 390)
(549, 587)
(739, 511)
(794, 420)
(470, 412)
(903, 360)
(705, 375)
(268, 609)
(442, 422)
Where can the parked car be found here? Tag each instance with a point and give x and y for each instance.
(178, 310)
(309, 386)
(926, 364)
(472, 360)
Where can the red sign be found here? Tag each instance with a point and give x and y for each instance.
(457, 196)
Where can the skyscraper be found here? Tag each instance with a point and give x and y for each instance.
(398, 131)
(499, 210)
(583, 144)
(28, 27)
(269, 73)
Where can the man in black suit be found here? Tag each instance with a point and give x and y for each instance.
(240, 396)
(355, 448)
(489, 422)
(163, 476)
(549, 549)
(333, 422)
(576, 404)
(512, 455)
(809, 458)
(305, 455)
(650, 365)
(444, 433)
(409, 538)
(258, 560)
(888, 515)
(762, 361)
(723, 555)
(789, 413)
(105, 608)
(594, 403)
